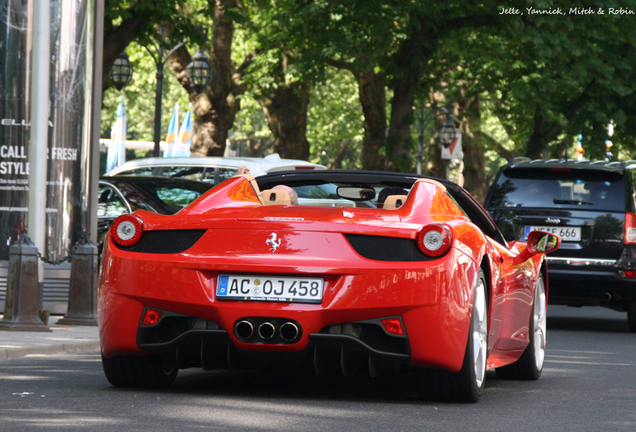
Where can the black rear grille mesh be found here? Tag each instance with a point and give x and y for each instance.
(165, 241)
(386, 248)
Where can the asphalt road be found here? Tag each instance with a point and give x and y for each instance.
(588, 384)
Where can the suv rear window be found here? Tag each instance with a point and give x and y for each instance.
(559, 188)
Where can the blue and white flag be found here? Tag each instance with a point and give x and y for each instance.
(117, 151)
(171, 136)
(183, 142)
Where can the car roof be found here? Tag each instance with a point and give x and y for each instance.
(601, 165)
(257, 166)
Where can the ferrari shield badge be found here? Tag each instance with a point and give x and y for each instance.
(273, 242)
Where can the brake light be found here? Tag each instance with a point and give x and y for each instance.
(151, 317)
(127, 230)
(393, 326)
(630, 228)
(629, 273)
(435, 239)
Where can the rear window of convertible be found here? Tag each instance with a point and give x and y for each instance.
(559, 188)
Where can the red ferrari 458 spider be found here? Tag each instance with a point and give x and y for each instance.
(352, 272)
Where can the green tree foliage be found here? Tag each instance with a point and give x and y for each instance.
(527, 82)
(250, 136)
(551, 77)
(335, 128)
(359, 38)
(137, 20)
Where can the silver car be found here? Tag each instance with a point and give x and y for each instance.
(210, 169)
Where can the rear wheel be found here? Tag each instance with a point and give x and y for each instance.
(530, 364)
(631, 315)
(138, 371)
(468, 384)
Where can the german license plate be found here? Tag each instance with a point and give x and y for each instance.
(571, 234)
(269, 288)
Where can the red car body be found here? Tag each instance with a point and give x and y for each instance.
(382, 309)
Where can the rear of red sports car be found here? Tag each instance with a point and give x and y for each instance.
(231, 283)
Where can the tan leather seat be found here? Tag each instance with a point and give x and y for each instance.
(394, 201)
(275, 197)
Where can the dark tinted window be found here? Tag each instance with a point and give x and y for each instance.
(139, 200)
(559, 188)
(110, 204)
(225, 173)
(208, 174)
(146, 171)
(176, 195)
(191, 173)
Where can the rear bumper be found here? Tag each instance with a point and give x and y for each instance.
(582, 286)
(351, 349)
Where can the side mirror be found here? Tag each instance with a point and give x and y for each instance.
(538, 242)
(543, 242)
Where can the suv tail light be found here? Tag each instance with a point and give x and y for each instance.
(435, 239)
(630, 228)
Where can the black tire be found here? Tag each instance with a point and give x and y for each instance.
(468, 384)
(631, 315)
(530, 364)
(138, 371)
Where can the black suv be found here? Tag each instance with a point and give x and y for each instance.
(591, 206)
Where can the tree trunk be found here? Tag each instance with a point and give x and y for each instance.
(215, 108)
(399, 139)
(373, 100)
(474, 166)
(286, 111)
(436, 167)
(345, 151)
(542, 134)
(372, 95)
(410, 73)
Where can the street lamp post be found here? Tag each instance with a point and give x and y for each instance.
(446, 133)
(160, 57)
(201, 76)
(121, 71)
(199, 71)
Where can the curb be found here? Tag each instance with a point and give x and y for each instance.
(16, 352)
(15, 344)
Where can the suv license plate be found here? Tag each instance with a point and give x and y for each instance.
(269, 288)
(567, 234)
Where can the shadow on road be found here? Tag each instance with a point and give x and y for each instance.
(597, 319)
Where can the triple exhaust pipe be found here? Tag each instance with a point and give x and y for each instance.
(267, 330)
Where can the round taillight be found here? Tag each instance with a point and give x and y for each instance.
(435, 239)
(127, 230)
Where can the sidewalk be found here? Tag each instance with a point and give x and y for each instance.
(15, 344)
